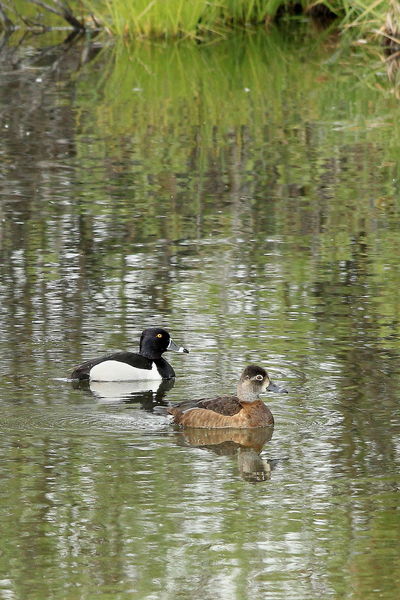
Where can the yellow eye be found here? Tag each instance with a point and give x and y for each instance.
(159, 335)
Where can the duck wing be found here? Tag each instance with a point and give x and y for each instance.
(224, 405)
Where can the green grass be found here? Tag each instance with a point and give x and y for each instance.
(173, 18)
(197, 19)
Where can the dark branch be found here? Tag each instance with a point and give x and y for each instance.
(64, 12)
(8, 24)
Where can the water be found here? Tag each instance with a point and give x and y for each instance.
(245, 196)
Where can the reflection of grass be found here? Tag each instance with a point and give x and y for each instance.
(245, 88)
(250, 138)
(254, 139)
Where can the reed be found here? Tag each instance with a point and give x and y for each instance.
(173, 18)
(194, 19)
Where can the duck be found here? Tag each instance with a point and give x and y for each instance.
(145, 365)
(245, 410)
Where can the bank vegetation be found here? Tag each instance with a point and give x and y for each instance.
(198, 19)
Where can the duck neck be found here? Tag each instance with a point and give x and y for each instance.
(247, 396)
(149, 351)
(150, 355)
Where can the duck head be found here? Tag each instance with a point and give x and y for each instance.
(154, 341)
(255, 381)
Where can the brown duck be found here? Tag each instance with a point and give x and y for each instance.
(241, 411)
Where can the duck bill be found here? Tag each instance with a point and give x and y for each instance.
(175, 348)
(276, 388)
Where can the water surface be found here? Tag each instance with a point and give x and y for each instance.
(245, 195)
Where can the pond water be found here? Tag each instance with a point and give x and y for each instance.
(245, 195)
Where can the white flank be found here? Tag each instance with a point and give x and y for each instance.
(115, 370)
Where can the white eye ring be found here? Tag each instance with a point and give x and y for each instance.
(259, 377)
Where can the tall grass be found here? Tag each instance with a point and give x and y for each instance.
(151, 18)
(172, 18)
(194, 18)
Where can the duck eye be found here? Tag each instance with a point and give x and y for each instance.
(259, 377)
(159, 335)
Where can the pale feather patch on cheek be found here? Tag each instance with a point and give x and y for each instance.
(115, 370)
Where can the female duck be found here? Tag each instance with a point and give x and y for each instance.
(242, 411)
(147, 364)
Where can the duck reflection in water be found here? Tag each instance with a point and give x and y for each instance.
(245, 444)
(148, 394)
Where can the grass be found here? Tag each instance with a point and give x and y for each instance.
(174, 18)
(196, 19)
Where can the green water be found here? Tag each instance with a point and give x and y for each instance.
(245, 195)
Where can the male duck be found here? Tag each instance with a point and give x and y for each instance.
(147, 364)
(242, 411)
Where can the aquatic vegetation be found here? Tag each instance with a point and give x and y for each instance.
(174, 18)
(196, 19)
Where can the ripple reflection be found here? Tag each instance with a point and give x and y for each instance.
(245, 444)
